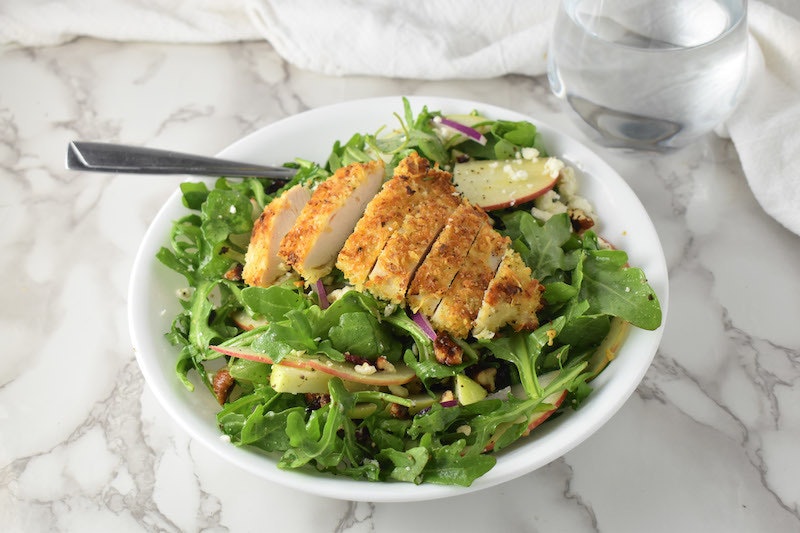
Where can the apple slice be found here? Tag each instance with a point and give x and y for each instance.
(401, 375)
(246, 322)
(555, 399)
(499, 184)
(608, 349)
(468, 391)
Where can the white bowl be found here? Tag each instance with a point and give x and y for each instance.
(310, 135)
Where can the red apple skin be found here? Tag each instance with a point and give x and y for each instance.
(402, 374)
(493, 185)
(521, 200)
(555, 399)
(536, 420)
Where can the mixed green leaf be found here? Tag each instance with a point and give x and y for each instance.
(378, 435)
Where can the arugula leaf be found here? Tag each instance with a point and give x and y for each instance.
(360, 334)
(448, 465)
(544, 252)
(616, 290)
(406, 465)
(524, 349)
(273, 302)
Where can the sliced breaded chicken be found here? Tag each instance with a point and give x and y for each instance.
(459, 307)
(328, 219)
(513, 297)
(382, 217)
(409, 244)
(262, 265)
(444, 259)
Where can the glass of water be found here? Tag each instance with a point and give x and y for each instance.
(649, 74)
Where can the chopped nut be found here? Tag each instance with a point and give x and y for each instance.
(383, 364)
(398, 411)
(234, 273)
(316, 400)
(447, 352)
(447, 396)
(464, 430)
(222, 383)
(486, 378)
(580, 220)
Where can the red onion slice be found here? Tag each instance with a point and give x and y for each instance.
(422, 321)
(319, 288)
(450, 403)
(470, 133)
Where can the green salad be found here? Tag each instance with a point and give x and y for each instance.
(287, 362)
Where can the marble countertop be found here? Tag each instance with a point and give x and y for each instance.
(708, 442)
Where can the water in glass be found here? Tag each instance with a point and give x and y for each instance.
(649, 74)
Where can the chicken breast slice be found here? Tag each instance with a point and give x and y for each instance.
(382, 217)
(513, 297)
(409, 244)
(448, 253)
(263, 266)
(459, 307)
(328, 219)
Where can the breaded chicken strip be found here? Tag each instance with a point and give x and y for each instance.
(436, 199)
(262, 265)
(434, 275)
(513, 297)
(459, 307)
(326, 221)
(383, 216)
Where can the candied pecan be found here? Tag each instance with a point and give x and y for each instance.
(398, 411)
(447, 351)
(381, 363)
(222, 383)
(234, 273)
(315, 400)
(580, 220)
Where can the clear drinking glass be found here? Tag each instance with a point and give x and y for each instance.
(649, 74)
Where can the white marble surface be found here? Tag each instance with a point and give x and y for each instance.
(709, 441)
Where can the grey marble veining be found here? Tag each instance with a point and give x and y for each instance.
(707, 443)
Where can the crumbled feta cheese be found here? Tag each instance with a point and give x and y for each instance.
(365, 369)
(338, 293)
(531, 154)
(547, 205)
(225, 438)
(232, 210)
(553, 166)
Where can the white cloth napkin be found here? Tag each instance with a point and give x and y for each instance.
(439, 39)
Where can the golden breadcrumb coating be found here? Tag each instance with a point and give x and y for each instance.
(434, 275)
(513, 297)
(262, 265)
(327, 220)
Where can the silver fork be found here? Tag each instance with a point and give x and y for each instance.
(120, 158)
